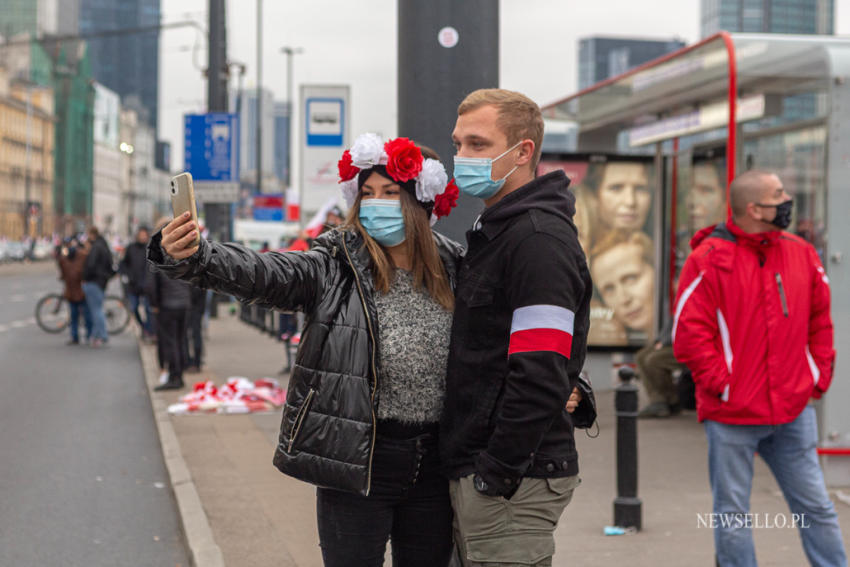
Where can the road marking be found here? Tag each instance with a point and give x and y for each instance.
(18, 324)
(18, 298)
(3, 328)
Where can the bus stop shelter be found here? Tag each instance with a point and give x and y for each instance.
(712, 110)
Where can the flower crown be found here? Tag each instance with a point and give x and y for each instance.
(404, 162)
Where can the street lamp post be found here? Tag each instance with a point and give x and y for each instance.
(290, 90)
(259, 105)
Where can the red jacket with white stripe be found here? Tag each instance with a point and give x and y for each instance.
(752, 323)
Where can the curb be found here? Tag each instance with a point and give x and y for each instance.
(203, 550)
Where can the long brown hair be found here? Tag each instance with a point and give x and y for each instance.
(428, 269)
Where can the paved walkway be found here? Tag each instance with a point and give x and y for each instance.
(259, 517)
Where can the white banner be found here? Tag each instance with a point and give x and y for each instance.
(324, 125)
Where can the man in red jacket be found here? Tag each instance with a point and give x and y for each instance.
(752, 323)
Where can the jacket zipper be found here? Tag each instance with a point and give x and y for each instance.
(782, 293)
(372, 360)
(299, 419)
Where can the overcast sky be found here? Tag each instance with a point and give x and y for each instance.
(354, 43)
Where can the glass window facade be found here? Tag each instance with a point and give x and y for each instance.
(17, 16)
(768, 16)
(601, 58)
(127, 64)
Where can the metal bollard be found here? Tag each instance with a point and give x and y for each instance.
(627, 505)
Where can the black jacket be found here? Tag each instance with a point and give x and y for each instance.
(98, 267)
(327, 434)
(134, 266)
(167, 293)
(506, 392)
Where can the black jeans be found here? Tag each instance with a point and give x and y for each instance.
(408, 502)
(195, 337)
(171, 339)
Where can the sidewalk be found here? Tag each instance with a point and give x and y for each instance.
(259, 517)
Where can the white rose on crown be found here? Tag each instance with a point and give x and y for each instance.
(431, 181)
(368, 151)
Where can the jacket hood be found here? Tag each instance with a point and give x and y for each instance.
(730, 231)
(548, 193)
(701, 235)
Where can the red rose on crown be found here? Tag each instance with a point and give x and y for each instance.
(447, 200)
(404, 159)
(346, 169)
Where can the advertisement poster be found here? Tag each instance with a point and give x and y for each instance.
(614, 205)
(701, 201)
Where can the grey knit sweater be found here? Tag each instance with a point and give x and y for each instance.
(414, 334)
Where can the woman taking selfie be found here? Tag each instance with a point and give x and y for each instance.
(366, 392)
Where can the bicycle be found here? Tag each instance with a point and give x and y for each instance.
(53, 316)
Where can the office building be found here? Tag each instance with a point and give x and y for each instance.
(128, 63)
(768, 16)
(600, 58)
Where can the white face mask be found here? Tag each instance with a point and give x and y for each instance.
(474, 176)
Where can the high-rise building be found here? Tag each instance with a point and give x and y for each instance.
(248, 135)
(773, 16)
(600, 58)
(38, 17)
(768, 16)
(127, 63)
(282, 154)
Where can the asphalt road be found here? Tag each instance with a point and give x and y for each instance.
(82, 478)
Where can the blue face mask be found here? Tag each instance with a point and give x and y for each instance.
(474, 176)
(383, 220)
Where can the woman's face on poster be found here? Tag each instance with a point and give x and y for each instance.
(626, 282)
(624, 196)
(706, 201)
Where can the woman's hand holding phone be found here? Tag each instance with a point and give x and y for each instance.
(179, 236)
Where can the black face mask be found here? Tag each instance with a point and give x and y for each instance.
(783, 213)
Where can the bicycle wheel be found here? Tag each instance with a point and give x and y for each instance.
(51, 313)
(116, 313)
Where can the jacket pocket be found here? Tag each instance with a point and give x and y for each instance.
(480, 302)
(299, 419)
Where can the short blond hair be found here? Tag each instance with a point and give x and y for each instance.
(519, 116)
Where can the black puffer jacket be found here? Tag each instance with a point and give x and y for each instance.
(327, 434)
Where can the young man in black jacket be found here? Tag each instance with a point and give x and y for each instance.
(518, 339)
(96, 274)
(134, 265)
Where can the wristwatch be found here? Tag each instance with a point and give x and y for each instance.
(480, 484)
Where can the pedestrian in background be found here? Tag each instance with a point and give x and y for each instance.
(171, 299)
(753, 325)
(656, 364)
(518, 340)
(134, 267)
(365, 397)
(71, 259)
(97, 272)
(195, 330)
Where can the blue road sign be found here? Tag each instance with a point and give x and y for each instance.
(212, 146)
(325, 121)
